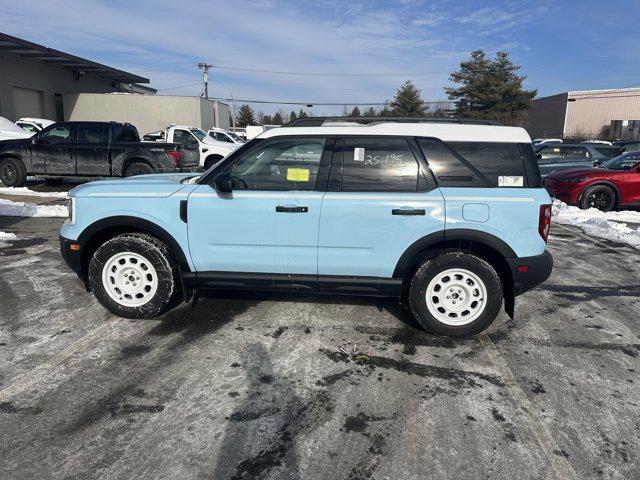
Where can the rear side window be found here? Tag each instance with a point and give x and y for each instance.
(97, 134)
(574, 152)
(447, 168)
(609, 152)
(124, 133)
(496, 161)
(479, 164)
(378, 164)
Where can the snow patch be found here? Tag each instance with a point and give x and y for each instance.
(608, 225)
(6, 236)
(22, 209)
(25, 192)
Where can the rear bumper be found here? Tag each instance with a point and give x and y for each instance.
(73, 258)
(538, 269)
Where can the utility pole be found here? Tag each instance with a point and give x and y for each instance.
(233, 111)
(205, 76)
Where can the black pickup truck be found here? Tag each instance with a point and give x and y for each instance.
(90, 149)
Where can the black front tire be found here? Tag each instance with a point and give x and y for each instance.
(153, 251)
(601, 197)
(13, 173)
(137, 168)
(432, 269)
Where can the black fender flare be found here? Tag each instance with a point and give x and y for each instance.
(138, 224)
(448, 239)
(119, 163)
(605, 182)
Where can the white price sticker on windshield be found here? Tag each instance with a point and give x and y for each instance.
(358, 154)
(510, 181)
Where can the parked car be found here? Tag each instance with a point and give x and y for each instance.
(452, 218)
(556, 157)
(34, 125)
(615, 183)
(86, 149)
(211, 151)
(10, 131)
(223, 136)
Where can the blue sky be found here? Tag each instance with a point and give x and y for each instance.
(561, 46)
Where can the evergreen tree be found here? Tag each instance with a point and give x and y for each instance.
(371, 112)
(278, 118)
(292, 116)
(386, 112)
(302, 114)
(490, 89)
(246, 116)
(408, 102)
(355, 112)
(266, 120)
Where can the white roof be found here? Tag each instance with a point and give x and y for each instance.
(42, 121)
(448, 132)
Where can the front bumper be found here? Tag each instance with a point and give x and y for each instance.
(73, 258)
(538, 269)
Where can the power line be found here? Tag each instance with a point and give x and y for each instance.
(335, 104)
(317, 74)
(178, 86)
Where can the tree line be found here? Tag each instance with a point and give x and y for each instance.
(485, 88)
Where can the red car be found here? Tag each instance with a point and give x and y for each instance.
(615, 183)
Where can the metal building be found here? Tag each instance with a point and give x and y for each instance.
(582, 114)
(34, 79)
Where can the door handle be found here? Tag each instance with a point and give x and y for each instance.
(407, 211)
(283, 209)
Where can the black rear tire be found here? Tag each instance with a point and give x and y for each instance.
(137, 168)
(153, 259)
(478, 292)
(13, 173)
(601, 197)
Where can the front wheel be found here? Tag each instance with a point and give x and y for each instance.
(598, 196)
(134, 276)
(455, 294)
(13, 172)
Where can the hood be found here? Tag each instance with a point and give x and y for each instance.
(14, 142)
(142, 186)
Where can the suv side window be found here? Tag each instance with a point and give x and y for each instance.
(56, 135)
(279, 165)
(549, 152)
(447, 168)
(574, 152)
(378, 164)
(493, 160)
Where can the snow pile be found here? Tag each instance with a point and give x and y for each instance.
(600, 224)
(6, 236)
(21, 209)
(25, 192)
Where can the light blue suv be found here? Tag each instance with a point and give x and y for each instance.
(451, 217)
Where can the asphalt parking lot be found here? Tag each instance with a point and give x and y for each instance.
(257, 386)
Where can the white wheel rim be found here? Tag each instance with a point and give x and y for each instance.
(456, 297)
(129, 279)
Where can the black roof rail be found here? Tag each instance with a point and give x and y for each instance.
(318, 121)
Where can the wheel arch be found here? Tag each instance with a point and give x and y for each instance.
(607, 183)
(104, 229)
(126, 162)
(485, 245)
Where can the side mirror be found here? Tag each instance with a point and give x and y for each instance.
(222, 183)
(538, 156)
(597, 162)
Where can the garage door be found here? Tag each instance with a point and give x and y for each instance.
(27, 102)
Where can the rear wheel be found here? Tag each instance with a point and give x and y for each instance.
(13, 172)
(600, 197)
(133, 276)
(455, 294)
(137, 168)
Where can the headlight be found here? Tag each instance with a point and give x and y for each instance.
(573, 180)
(71, 205)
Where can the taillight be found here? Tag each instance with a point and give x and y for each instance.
(544, 222)
(174, 156)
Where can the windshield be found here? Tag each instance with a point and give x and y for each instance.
(622, 162)
(199, 134)
(237, 138)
